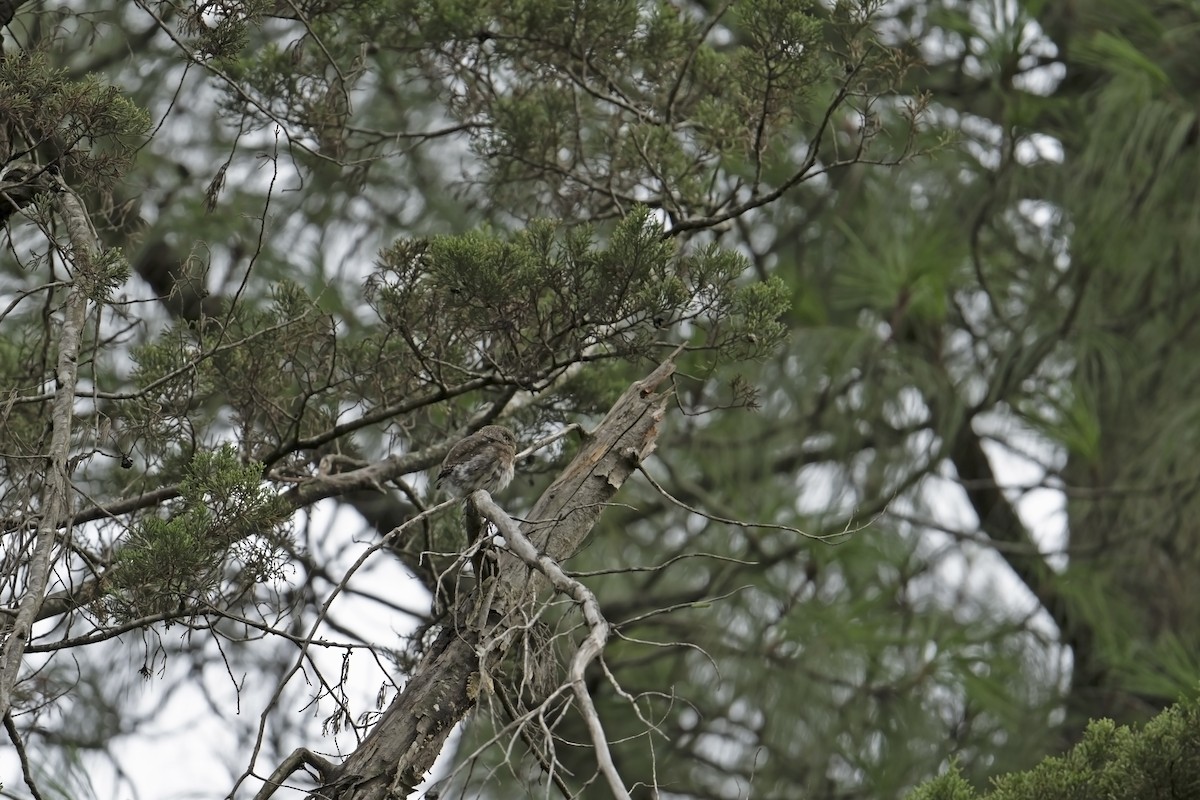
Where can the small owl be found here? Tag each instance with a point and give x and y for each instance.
(483, 460)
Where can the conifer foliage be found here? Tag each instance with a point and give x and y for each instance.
(848, 345)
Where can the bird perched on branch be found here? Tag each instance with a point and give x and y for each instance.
(483, 460)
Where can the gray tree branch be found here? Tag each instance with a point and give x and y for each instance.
(411, 733)
(55, 505)
(593, 644)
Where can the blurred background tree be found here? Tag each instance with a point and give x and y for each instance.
(981, 216)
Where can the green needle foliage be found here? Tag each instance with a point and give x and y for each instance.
(925, 491)
(1157, 760)
(225, 521)
(59, 113)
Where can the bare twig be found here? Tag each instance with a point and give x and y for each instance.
(593, 643)
(19, 296)
(548, 765)
(300, 757)
(554, 437)
(820, 537)
(11, 728)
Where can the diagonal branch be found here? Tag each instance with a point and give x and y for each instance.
(22, 756)
(593, 644)
(411, 733)
(300, 758)
(1000, 521)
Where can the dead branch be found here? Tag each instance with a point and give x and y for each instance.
(593, 644)
(444, 687)
(300, 757)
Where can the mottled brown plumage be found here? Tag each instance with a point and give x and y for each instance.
(483, 460)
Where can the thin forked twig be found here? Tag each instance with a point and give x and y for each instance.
(592, 645)
(820, 537)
